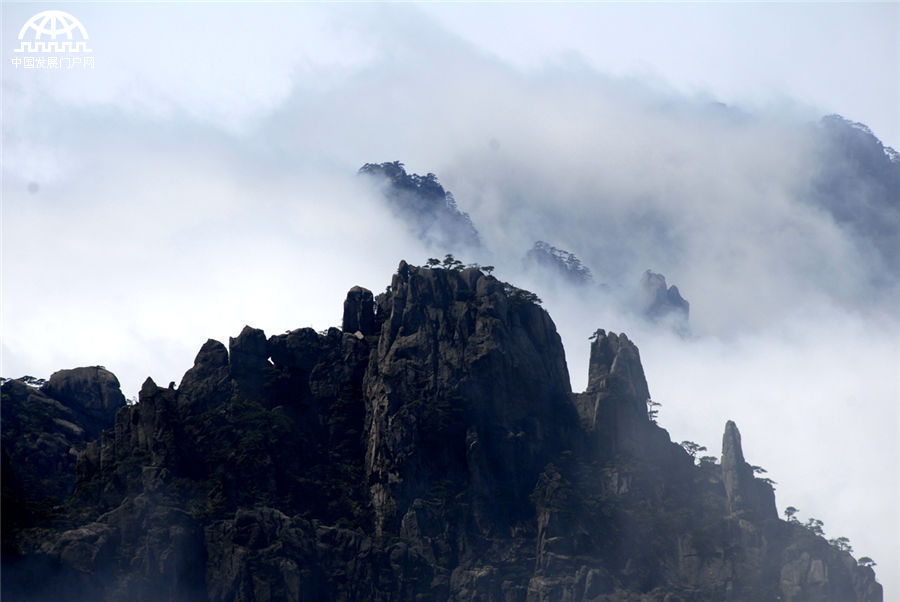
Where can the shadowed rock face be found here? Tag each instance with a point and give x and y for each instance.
(93, 391)
(429, 449)
(615, 369)
(359, 312)
(471, 380)
(209, 381)
(44, 429)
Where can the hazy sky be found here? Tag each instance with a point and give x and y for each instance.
(201, 177)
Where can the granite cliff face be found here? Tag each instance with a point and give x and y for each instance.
(429, 449)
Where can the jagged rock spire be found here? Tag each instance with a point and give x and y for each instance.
(615, 369)
(359, 311)
(735, 471)
(208, 382)
(249, 360)
(745, 494)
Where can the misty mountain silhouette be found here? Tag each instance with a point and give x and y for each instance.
(432, 215)
(431, 448)
(429, 210)
(859, 185)
(559, 261)
(854, 181)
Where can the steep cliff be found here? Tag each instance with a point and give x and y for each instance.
(431, 448)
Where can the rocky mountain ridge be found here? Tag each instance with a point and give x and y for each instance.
(431, 448)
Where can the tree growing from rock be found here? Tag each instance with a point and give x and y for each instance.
(692, 448)
(707, 461)
(452, 263)
(814, 525)
(842, 544)
(520, 295)
(653, 409)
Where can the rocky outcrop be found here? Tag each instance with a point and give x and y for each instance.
(359, 312)
(471, 379)
(92, 391)
(615, 370)
(746, 495)
(43, 431)
(208, 383)
(249, 364)
(662, 303)
(429, 449)
(615, 406)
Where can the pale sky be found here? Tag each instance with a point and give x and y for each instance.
(837, 57)
(200, 178)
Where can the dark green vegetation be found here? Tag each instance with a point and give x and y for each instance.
(513, 293)
(430, 449)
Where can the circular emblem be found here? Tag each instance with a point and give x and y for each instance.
(53, 23)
